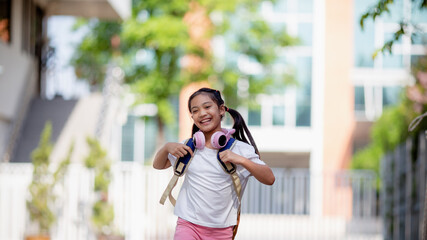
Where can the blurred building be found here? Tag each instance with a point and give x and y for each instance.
(24, 52)
(315, 125)
(319, 123)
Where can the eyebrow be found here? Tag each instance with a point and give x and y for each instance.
(201, 104)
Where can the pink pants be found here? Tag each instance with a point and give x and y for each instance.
(186, 230)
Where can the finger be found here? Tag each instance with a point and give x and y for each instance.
(183, 152)
(189, 150)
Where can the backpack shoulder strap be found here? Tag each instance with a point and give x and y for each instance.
(230, 168)
(181, 163)
(180, 167)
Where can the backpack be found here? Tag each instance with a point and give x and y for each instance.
(182, 164)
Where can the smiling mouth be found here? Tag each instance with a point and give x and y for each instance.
(205, 121)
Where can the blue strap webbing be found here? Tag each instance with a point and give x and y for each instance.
(229, 168)
(185, 160)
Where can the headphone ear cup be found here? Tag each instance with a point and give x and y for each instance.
(218, 140)
(199, 140)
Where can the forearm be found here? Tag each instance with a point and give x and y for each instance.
(262, 173)
(161, 159)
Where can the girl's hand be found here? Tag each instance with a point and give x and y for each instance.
(229, 156)
(178, 149)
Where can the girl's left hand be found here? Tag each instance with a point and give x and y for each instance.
(229, 156)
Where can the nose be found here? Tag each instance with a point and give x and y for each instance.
(203, 112)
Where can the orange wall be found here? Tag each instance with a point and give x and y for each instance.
(339, 120)
(185, 121)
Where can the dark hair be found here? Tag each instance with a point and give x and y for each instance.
(239, 123)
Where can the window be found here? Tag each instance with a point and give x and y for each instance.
(305, 6)
(128, 139)
(364, 39)
(280, 6)
(392, 61)
(5, 20)
(32, 28)
(359, 98)
(370, 100)
(396, 12)
(391, 95)
(278, 115)
(418, 16)
(254, 117)
(303, 104)
(419, 38)
(305, 32)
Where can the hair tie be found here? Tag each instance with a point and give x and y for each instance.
(226, 109)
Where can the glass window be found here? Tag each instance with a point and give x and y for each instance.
(419, 38)
(305, 33)
(363, 39)
(280, 6)
(303, 117)
(396, 12)
(392, 61)
(5, 18)
(359, 98)
(390, 36)
(418, 15)
(128, 131)
(305, 6)
(254, 116)
(391, 95)
(278, 115)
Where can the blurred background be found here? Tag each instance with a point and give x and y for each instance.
(90, 89)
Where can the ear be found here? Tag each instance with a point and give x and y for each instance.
(222, 110)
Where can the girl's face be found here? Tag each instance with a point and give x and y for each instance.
(206, 114)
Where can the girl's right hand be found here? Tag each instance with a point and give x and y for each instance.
(178, 149)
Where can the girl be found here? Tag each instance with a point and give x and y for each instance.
(207, 205)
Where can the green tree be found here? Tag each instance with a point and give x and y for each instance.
(391, 129)
(43, 182)
(407, 27)
(154, 43)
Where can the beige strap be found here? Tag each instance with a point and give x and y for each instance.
(237, 185)
(172, 183)
(168, 191)
(229, 166)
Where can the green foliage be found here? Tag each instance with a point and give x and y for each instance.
(391, 129)
(387, 133)
(156, 39)
(102, 210)
(382, 7)
(95, 50)
(43, 182)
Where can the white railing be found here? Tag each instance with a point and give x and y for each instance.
(269, 212)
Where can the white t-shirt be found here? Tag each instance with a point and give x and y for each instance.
(207, 196)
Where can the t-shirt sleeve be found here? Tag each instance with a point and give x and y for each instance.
(172, 159)
(247, 151)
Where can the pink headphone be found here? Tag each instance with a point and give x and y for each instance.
(218, 140)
